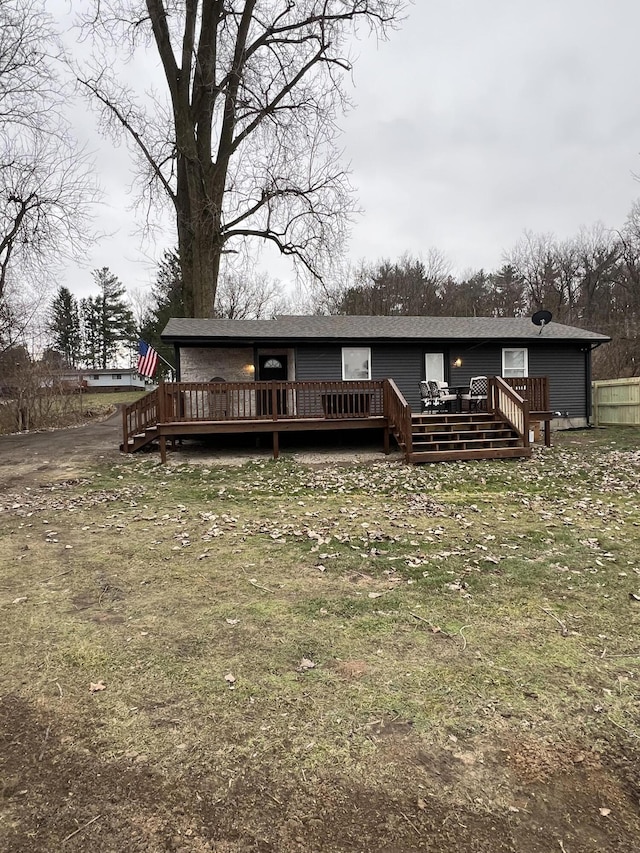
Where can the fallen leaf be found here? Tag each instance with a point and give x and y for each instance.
(96, 687)
(422, 804)
(231, 621)
(604, 812)
(19, 600)
(230, 679)
(306, 664)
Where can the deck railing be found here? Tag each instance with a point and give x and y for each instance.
(503, 400)
(268, 401)
(535, 389)
(398, 412)
(140, 415)
(220, 402)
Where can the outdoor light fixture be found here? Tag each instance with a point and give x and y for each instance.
(249, 368)
(457, 362)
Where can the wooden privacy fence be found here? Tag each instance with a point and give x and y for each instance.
(616, 402)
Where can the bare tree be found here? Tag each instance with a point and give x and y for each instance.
(243, 143)
(249, 296)
(534, 259)
(46, 185)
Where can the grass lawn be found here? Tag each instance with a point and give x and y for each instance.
(285, 657)
(101, 404)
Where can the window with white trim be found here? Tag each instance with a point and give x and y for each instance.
(356, 363)
(515, 362)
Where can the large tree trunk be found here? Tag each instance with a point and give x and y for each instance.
(199, 236)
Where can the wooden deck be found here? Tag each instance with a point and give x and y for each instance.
(181, 409)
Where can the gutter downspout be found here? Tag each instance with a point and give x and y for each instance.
(587, 374)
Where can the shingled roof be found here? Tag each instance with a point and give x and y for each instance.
(185, 330)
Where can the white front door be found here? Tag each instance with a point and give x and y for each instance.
(434, 366)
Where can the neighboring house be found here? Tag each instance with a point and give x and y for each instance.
(405, 349)
(99, 379)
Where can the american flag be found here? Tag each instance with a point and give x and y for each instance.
(147, 360)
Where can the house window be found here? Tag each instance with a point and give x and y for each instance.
(116, 376)
(96, 376)
(515, 362)
(356, 363)
(273, 364)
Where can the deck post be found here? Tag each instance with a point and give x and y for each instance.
(163, 449)
(161, 402)
(276, 445)
(125, 430)
(387, 449)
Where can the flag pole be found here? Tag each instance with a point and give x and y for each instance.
(170, 366)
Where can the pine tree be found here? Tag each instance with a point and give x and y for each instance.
(64, 327)
(168, 299)
(115, 322)
(90, 318)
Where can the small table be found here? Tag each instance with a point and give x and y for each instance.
(459, 390)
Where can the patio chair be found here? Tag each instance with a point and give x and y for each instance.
(433, 396)
(477, 392)
(427, 399)
(446, 394)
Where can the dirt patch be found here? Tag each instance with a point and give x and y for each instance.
(56, 794)
(351, 668)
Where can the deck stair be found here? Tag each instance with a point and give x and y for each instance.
(140, 439)
(447, 437)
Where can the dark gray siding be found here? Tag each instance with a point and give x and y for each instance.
(565, 367)
(483, 360)
(318, 362)
(405, 365)
(564, 364)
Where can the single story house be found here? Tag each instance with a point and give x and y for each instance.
(405, 349)
(103, 379)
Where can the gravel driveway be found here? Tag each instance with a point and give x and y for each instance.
(33, 458)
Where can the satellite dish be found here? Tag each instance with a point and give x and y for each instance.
(541, 318)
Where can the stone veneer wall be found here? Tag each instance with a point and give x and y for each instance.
(201, 364)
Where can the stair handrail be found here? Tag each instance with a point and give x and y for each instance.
(506, 402)
(398, 413)
(139, 416)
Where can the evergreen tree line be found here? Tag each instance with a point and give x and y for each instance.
(92, 332)
(591, 281)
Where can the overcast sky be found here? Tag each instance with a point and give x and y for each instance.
(477, 120)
